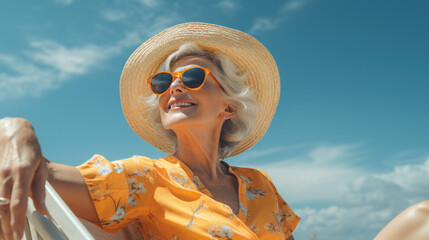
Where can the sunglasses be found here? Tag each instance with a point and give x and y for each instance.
(193, 78)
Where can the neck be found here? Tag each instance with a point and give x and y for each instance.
(198, 149)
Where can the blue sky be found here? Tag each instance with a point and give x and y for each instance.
(349, 140)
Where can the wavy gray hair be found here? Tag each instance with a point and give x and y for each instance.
(239, 96)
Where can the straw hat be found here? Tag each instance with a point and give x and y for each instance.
(247, 53)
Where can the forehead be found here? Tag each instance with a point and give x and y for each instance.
(191, 61)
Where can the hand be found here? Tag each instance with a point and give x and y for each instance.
(23, 172)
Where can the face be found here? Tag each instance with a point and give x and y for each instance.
(183, 108)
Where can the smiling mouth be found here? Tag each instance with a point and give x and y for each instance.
(180, 105)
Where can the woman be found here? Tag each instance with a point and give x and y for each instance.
(199, 104)
(199, 92)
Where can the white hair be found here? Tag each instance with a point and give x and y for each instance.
(239, 96)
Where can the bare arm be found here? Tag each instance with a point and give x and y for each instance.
(70, 185)
(411, 224)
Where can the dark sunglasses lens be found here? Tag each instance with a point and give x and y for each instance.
(161, 82)
(194, 77)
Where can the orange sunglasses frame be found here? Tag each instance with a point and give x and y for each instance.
(179, 75)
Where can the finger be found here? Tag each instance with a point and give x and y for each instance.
(6, 232)
(38, 191)
(18, 204)
(5, 224)
(1, 233)
(5, 209)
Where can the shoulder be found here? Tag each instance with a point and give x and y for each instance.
(412, 223)
(98, 164)
(264, 198)
(136, 162)
(253, 176)
(249, 171)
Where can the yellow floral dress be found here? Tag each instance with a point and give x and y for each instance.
(165, 200)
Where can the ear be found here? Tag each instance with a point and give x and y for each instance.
(228, 113)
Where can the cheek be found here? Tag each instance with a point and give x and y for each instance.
(161, 112)
(161, 103)
(215, 103)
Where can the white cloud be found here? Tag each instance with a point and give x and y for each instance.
(254, 154)
(228, 5)
(46, 64)
(410, 178)
(294, 5)
(311, 183)
(150, 3)
(264, 24)
(114, 15)
(313, 178)
(136, 19)
(367, 205)
(159, 23)
(64, 2)
(356, 203)
(27, 80)
(326, 154)
(67, 61)
(270, 23)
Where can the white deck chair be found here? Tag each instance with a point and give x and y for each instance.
(62, 224)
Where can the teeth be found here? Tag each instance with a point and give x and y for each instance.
(180, 104)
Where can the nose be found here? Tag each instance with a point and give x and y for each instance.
(177, 86)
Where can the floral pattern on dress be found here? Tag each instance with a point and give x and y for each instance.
(243, 209)
(270, 227)
(104, 170)
(101, 192)
(135, 188)
(197, 212)
(124, 191)
(230, 210)
(118, 167)
(223, 232)
(280, 216)
(253, 193)
(248, 180)
(120, 212)
(152, 236)
(253, 227)
(96, 161)
(196, 181)
(180, 177)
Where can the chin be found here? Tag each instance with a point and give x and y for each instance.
(180, 120)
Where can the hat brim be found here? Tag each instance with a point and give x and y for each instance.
(247, 53)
